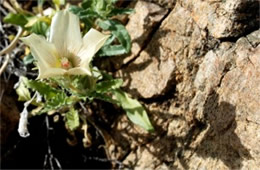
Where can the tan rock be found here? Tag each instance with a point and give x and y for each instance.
(165, 3)
(211, 119)
(229, 18)
(228, 103)
(140, 26)
(153, 72)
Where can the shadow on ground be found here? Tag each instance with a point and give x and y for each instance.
(220, 141)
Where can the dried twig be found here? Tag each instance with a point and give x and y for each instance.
(106, 137)
(8, 6)
(8, 49)
(49, 158)
(7, 57)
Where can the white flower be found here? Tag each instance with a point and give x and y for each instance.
(65, 52)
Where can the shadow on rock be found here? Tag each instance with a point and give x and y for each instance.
(221, 141)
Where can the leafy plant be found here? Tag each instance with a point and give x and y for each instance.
(63, 93)
(99, 13)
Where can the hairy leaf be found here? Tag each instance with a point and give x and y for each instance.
(119, 31)
(22, 91)
(120, 11)
(75, 9)
(111, 50)
(103, 97)
(43, 88)
(105, 86)
(134, 110)
(72, 119)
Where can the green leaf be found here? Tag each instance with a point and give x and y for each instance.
(105, 86)
(111, 50)
(58, 2)
(61, 99)
(40, 2)
(134, 110)
(29, 59)
(77, 85)
(75, 9)
(72, 119)
(87, 16)
(114, 1)
(119, 31)
(88, 13)
(83, 84)
(16, 19)
(103, 97)
(96, 73)
(54, 98)
(22, 91)
(40, 28)
(86, 4)
(121, 11)
(102, 7)
(43, 88)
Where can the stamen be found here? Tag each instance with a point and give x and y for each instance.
(65, 63)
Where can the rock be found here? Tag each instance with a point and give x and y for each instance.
(172, 48)
(202, 93)
(165, 3)
(141, 24)
(227, 101)
(225, 19)
(226, 108)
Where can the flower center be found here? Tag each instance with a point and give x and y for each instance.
(65, 63)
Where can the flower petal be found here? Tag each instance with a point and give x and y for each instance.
(65, 33)
(92, 42)
(52, 72)
(79, 71)
(44, 52)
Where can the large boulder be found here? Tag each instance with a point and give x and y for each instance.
(201, 89)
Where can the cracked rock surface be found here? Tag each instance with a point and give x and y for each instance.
(199, 79)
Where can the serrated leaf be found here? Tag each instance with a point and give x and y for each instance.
(43, 88)
(87, 13)
(102, 7)
(58, 102)
(106, 86)
(22, 91)
(134, 110)
(77, 85)
(103, 97)
(84, 84)
(75, 9)
(121, 11)
(86, 4)
(16, 19)
(72, 119)
(119, 31)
